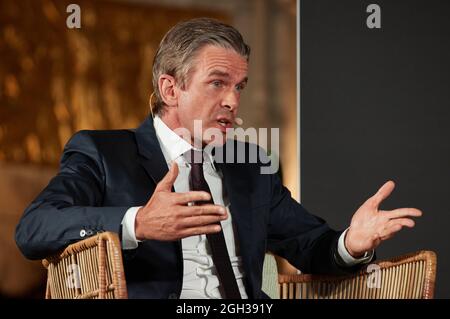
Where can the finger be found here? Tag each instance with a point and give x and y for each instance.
(395, 226)
(192, 196)
(403, 212)
(197, 221)
(405, 222)
(383, 193)
(208, 229)
(167, 182)
(208, 209)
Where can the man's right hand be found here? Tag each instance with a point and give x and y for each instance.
(168, 217)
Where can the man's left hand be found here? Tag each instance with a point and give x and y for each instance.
(370, 226)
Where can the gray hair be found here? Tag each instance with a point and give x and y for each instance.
(180, 45)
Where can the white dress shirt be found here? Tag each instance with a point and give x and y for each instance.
(199, 278)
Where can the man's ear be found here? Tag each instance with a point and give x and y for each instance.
(168, 89)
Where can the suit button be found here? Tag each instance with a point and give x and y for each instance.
(173, 296)
(89, 232)
(82, 233)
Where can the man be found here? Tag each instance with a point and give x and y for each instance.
(201, 228)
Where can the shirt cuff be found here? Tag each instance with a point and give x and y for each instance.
(129, 240)
(348, 259)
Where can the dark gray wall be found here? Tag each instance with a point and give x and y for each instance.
(375, 105)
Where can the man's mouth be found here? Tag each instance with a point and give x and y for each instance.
(225, 123)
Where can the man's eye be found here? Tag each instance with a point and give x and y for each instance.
(217, 83)
(240, 87)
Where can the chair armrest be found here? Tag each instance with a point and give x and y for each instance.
(408, 276)
(91, 268)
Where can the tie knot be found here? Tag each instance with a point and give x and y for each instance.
(194, 157)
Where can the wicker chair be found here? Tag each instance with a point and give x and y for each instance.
(93, 269)
(410, 276)
(89, 269)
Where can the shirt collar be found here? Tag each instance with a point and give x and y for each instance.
(173, 145)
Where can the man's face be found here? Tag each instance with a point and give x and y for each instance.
(213, 90)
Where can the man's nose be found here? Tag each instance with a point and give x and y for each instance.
(231, 100)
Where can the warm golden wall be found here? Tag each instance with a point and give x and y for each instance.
(55, 80)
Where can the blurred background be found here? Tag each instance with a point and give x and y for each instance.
(55, 81)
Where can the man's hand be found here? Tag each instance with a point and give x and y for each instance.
(370, 226)
(167, 216)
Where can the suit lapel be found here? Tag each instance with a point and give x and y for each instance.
(238, 192)
(238, 189)
(152, 158)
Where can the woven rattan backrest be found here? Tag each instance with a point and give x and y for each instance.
(89, 269)
(410, 276)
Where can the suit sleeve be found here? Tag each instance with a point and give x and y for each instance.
(70, 207)
(305, 240)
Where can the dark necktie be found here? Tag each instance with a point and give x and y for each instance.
(216, 241)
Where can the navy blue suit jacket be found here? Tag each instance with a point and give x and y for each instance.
(103, 173)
